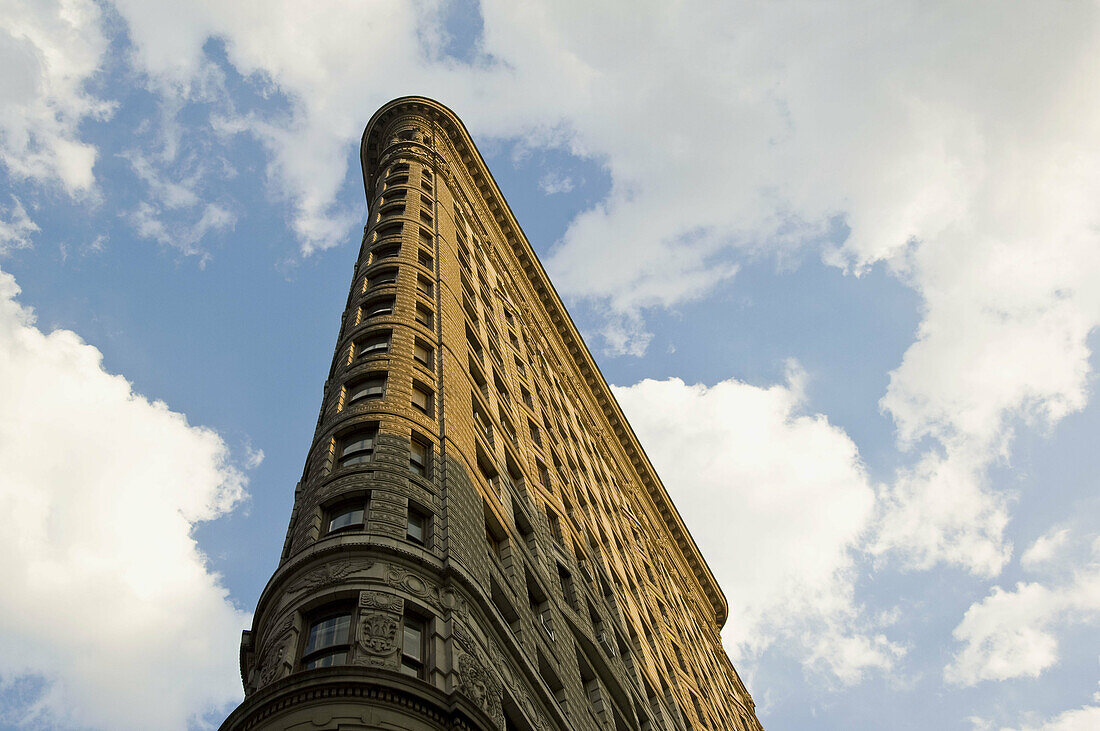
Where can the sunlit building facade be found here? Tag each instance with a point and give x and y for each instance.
(478, 540)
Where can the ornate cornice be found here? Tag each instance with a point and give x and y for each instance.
(446, 121)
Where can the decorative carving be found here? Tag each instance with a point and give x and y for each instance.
(443, 600)
(381, 600)
(378, 634)
(481, 686)
(276, 649)
(328, 575)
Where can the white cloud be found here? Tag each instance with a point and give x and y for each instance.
(48, 51)
(778, 501)
(1086, 718)
(555, 182)
(107, 599)
(1013, 634)
(1045, 549)
(16, 231)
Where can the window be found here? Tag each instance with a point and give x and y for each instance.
(426, 185)
(426, 218)
(422, 352)
(412, 647)
(567, 589)
(385, 252)
(536, 436)
(419, 453)
(390, 229)
(526, 396)
(423, 398)
(540, 605)
(356, 448)
(371, 387)
(423, 315)
(387, 276)
(416, 526)
(424, 286)
(378, 308)
(347, 515)
(328, 641)
(373, 344)
(424, 259)
(426, 238)
(555, 525)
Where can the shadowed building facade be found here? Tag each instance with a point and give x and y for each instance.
(478, 540)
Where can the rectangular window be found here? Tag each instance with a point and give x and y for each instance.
(356, 448)
(374, 344)
(423, 315)
(426, 218)
(416, 526)
(390, 229)
(378, 308)
(424, 286)
(387, 276)
(371, 387)
(412, 647)
(419, 452)
(423, 398)
(425, 259)
(328, 641)
(422, 352)
(346, 515)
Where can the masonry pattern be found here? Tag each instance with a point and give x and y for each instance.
(478, 540)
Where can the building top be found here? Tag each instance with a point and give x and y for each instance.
(452, 127)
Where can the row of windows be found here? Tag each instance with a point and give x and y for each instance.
(378, 343)
(372, 386)
(357, 447)
(350, 515)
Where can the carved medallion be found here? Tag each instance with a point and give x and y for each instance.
(378, 634)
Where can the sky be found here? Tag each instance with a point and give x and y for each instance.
(841, 262)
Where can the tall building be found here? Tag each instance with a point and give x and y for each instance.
(478, 540)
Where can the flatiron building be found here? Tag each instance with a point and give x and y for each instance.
(478, 540)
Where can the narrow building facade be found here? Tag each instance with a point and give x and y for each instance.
(478, 540)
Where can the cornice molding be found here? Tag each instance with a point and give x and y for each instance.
(447, 121)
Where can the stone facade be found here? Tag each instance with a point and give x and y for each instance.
(478, 540)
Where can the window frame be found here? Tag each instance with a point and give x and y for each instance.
(314, 619)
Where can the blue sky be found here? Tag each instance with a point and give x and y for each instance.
(840, 262)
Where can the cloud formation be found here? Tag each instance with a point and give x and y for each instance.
(109, 607)
(49, 50)
(1013, 633)
(778, 501)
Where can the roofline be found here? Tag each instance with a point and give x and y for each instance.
(554, 307)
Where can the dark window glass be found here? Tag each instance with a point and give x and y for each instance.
(374, 344)
(378, 308)
(416, 526)
(373, 387)
(412, 648)
(328, 642)
(346, 517)
(357, 448)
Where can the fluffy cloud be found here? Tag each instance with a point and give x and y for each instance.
(16, 231)
(49, 50)
(1013, 634)
(108, 607)
(1086, 718)
(777, 500)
